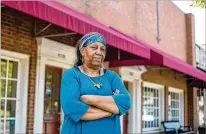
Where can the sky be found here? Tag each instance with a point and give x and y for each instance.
(199, 14)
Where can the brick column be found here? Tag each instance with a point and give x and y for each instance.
(192, 108)
(166, 102)
(190, 35)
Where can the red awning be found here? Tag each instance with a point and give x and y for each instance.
(179, 65)
(160, 58)
(183, 67)
(70, 19)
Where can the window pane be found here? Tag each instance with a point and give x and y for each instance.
(152, 123)
(3, 87)
(155, 102)
(10, 126)
(155, 123)
(152, 92)
(155, 113)
(145, 124)
(158, 124)
(13, 69)
(149, 91)
(157, 93)
(3, 68)
(49, 78)
(2, 108)
(11, 108)
(12, 86)
(145, 101)
(172, 95)
(2, 127)
(149, 124)
(178, 96)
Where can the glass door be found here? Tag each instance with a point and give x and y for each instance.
(52, 111)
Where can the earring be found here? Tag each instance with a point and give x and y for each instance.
(82, 59)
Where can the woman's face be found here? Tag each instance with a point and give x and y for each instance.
(94, 54)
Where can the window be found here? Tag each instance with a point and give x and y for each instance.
(176, 105)
(9, 80)
(152, 106)
(201, 57)
(13, 91)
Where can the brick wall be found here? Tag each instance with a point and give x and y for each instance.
(16, 35)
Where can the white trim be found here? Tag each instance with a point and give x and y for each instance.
(14, 55)
(152, 85)
(152, 131)
(48, 54)
(22, 88)
(176, 90)
(181, 92)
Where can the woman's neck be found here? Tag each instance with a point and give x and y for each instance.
(90, 71)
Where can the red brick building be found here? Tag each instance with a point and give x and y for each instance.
(150, 49)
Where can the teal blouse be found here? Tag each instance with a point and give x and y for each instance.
(74, 84)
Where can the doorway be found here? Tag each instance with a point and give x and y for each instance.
(52, 110)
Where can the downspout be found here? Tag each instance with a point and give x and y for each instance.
(157, 12)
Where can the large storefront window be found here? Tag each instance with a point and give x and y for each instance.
(152, 108)
(9, 80)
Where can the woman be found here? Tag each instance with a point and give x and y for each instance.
(92, 98)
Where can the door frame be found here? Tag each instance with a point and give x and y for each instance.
(45, 48)
(23, 76)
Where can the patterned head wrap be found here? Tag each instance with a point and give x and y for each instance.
(91, 38)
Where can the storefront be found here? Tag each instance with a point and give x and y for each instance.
(33, 68)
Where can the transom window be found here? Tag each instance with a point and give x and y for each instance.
(8, 90)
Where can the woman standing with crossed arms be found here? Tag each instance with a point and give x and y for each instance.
(92, 98)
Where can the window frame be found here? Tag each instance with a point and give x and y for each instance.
(22, 83)
(161, 104)
(181, 93)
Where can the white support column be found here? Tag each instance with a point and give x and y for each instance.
(139, 108)
(133, 76)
